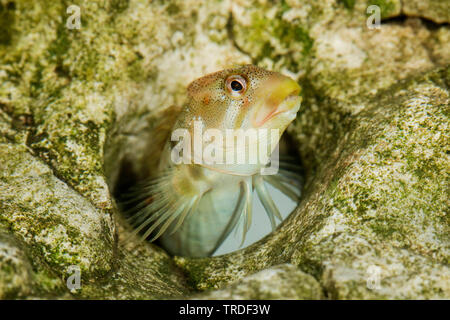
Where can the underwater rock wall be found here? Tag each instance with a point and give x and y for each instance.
(372, 135)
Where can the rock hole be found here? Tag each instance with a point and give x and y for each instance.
(128, 162)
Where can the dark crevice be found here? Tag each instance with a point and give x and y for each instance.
(424, 19)
(26, 123)
(230, 33)
(402, 18)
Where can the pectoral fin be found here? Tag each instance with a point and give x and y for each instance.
(238, 210)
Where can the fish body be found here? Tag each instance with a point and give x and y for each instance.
(193, 205)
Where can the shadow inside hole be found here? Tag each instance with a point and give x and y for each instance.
(128, 178)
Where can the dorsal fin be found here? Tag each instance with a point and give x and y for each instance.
(162, 125)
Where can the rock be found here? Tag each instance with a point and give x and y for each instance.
(79, 109)
(15, 269)
(23, 275)
(284, 281)
(436, 10)
(50, 217)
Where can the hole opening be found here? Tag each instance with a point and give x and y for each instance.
(129, 161)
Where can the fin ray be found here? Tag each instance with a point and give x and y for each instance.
(275, 182)
(248, 210)
(168, 221)
(266, 200)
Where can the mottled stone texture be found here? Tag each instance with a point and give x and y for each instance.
(79, 110)
(435, 10)
(284, 281)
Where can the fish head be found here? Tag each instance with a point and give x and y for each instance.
(246, 97)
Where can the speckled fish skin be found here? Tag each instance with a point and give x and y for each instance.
(195, 206)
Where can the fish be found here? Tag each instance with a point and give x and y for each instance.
(190, 204)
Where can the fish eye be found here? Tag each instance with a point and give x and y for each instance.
(236, 85)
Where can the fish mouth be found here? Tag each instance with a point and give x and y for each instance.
(283, 98)
(288, 106)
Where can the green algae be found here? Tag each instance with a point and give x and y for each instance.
(349, 4)
(374, 156)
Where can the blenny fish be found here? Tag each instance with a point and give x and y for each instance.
(192, 207)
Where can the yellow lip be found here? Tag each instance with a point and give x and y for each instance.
(283, 96)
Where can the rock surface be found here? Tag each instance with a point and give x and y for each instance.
(78, 108)
(283, 281)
